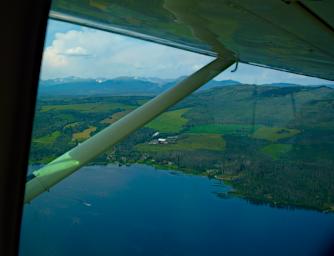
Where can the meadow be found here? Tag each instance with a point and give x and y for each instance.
(269, 148)
(231, 129)
(188, 142)
(170, 121)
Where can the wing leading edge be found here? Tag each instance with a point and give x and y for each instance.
(295, 36)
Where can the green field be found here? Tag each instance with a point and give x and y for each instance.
(276, 150)
(274, 133)
(188, 143)
(230, 129)
(171, 121)
(71, 125)
(87, 107)
(274, 147)
(85, 134)
(48, 139)
(115, 117)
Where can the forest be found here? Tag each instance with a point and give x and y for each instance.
(273, 145)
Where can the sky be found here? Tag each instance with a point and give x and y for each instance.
(72, 50)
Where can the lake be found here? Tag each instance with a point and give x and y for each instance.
(138, 210)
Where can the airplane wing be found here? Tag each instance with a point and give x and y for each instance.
(295, 36)
(289, 35)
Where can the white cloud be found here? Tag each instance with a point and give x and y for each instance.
(85, 52)
(77, 51)
(92, 53)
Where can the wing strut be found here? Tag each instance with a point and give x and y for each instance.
(49, 175)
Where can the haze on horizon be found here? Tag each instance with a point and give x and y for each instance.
(76, 51)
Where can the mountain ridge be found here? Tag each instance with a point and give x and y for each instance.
(127, 86)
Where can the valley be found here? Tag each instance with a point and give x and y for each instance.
(274, 145)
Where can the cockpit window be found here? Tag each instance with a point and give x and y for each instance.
(243, 166)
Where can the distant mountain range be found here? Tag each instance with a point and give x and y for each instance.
(121, 86)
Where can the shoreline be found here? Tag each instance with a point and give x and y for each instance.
(227, 179)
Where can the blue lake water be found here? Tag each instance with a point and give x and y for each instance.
(137, 210)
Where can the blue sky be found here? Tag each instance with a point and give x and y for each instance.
(72, 50)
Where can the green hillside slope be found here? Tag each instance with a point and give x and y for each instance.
(272, 144)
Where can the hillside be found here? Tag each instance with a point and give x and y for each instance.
(126, 86)
(273, 144)
(122, 86)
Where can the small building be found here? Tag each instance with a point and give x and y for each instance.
(162, 141)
